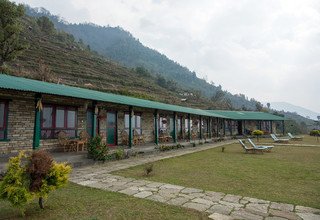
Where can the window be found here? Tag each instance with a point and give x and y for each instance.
(136, 122)
(162, 124)
(3, 119)
(58, 118)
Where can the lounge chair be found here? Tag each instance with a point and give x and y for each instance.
(249, 149)
(277, 140)
(265, 148)
(294, 138)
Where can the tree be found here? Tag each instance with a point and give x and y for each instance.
(268, 105)
(10, 28)
(45, 25)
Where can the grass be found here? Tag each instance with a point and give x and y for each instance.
(287, 174)
(79, 202)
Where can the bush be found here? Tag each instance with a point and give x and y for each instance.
(97, 150)
(120, 154)
(170, 147)
(41, 175)
(148, 168)
(257, 133)
(315, 133)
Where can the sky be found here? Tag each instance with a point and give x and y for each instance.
(266, 49)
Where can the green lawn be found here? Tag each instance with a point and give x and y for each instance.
(79, 202)
(287, 174)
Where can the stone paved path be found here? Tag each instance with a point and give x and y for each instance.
(218, 205)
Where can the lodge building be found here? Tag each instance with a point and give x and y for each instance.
(32, 113)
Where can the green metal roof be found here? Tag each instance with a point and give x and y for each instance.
(247, 115)
(29, 85)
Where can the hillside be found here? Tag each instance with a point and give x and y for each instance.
(284, 106)
(119, 45)
(68, 61)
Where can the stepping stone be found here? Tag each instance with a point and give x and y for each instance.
(309, 216)
(177, 201)
(157, 198)
(284, 214)
(116, 188)
(274, 218)
(191, 190)
(241, 214)
(87, 182)
(155, 185)
(129, 191)
(196, 206)
(170, 186)
(281, 206)
(218, 216)
(202, 201)
(143, 194)
(221, 209)
(307, 209)
(231, 204)
(254, 200)
(259, 209)
(232, 198)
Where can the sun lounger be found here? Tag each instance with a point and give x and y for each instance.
(265, 148)
(277, 140)
(294, 138)
(249, 149)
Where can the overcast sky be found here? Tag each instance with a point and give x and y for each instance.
(269, 50)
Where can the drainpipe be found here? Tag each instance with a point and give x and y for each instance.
(37, 122)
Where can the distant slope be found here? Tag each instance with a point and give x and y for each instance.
(294, 108)
(68, 61)
(119, 45)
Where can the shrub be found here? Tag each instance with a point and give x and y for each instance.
(36, 179)
(194, 145)
(97, 150)
(15, 184)
(119, 154)
(257, 133)
(314, 132)
(148, 168)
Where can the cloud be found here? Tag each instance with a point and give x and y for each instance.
(265, 49)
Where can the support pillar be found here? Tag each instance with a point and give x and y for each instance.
(209, 128)
(189, 127)
(244, 127)
(37, 122)
(94, 118)
(224, 127)
(200, 121)
(231, 127)
(130, 127)
(271, 129)
(175, 127)
(156, 129)
(283, 128)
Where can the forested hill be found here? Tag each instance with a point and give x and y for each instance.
(119, 45)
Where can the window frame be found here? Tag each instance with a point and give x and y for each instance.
(5, 120)
(54, 127)
(134, 118)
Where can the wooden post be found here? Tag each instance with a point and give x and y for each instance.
(224, 127)
(175, 127)
(130, 127)
(37, 121)
(244, 127)
(231, 127)
(156, 129)
(283, 128)
(209, 127)
(271, 129)
(94, 118)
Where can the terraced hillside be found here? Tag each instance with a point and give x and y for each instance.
(72, 63)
